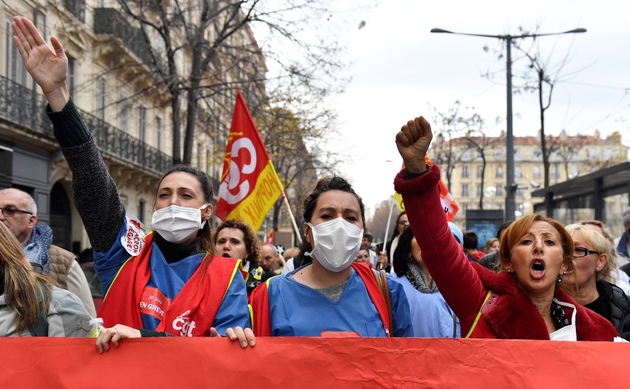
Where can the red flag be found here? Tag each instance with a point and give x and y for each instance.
(448, 202)
(271, 237)
(249, 183)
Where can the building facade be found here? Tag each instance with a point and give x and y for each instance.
(570, 157)
(124, 107)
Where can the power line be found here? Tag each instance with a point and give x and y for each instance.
(598, 86)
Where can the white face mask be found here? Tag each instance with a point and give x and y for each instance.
(177, 224)
(336, 244)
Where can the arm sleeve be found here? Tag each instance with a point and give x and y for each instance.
(401, 312)
(67, 315)
(456, 278)
(234, 310)
(77, 284)
(95, 193)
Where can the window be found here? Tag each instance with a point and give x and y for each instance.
(500, 190)
(199, 158)
(593, 153)
(479, 190)
(208, 163)
(536, 154)
(464, 190)
(72, 76)
(499, 154)
(518, 154)
(480, 171)
(555, 173)
(15, 70)
(158, 133)
(536, 175)
(123, 116)
(142, 123)
(465, 171)
(101, 98)
(141, 208)
(499, 173)
(518, 172)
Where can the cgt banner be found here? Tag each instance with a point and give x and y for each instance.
(312, 363)
(249, 183)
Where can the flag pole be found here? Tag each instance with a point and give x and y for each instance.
(297, 232)
(389, 219)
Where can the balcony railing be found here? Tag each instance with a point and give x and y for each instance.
(76, 7)
(108, 21)
(26, 108)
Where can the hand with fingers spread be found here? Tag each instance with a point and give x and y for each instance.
(48, 67)
(115, 334)
(413, 141)
(245, 336)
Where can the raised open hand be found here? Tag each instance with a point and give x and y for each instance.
(413, 141)
(48, 67)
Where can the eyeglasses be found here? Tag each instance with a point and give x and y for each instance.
(406, 224)
(10, 212)
(581, 252)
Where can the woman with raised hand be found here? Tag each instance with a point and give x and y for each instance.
(528, 298)
(29, 304)
(157, 280)
(333, 293)
(592, 274)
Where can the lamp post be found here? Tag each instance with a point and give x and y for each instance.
(510, 192)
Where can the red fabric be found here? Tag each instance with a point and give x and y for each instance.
(261, 318)
(448, 201)
(367, 275)
(259, 300)
(477, 254)
(190, 313)
(313, 362)
(271, 237)
(465, 284)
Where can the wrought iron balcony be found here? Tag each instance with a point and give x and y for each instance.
(26, 108)
(108, 21)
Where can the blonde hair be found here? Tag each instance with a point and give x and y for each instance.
(599, 244)
(23, 286)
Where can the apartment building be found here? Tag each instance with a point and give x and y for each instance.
(571, 156)
(128, 112)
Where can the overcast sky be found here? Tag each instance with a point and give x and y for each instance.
(399, 68)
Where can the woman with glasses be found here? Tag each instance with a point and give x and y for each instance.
(528, 298)
(593, 262)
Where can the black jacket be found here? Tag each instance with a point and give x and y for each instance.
(616, 306)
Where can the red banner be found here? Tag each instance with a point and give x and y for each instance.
(271, 237)
(312, 362)
(249, 183)
(448, 202)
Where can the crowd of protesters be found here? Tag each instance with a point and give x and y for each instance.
(536, 280)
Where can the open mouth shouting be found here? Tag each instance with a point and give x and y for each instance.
(537, 269)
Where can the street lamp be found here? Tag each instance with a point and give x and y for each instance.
(510, 193)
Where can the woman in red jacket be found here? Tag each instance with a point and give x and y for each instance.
(526, 300)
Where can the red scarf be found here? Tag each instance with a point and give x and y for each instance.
(190, 313)
(259, 300)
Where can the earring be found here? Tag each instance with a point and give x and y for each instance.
(559, 279)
